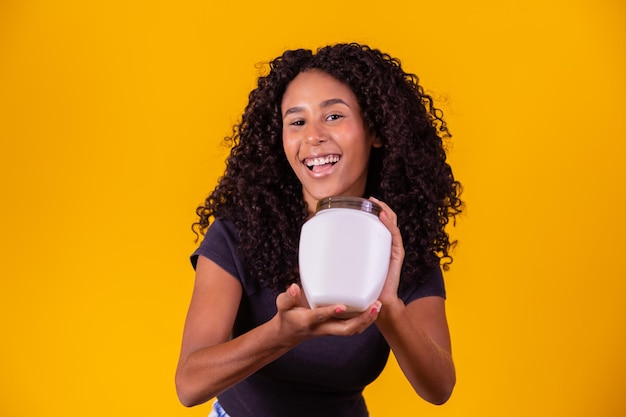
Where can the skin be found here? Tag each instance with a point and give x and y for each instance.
(321, 118)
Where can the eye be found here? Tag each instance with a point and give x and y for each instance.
(293, 121)
(334, 116)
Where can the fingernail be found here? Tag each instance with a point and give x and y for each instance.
(340, 309)
(376, 308)
(292, 291)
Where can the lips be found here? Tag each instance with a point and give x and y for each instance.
(321, 162)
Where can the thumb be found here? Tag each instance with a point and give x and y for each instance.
(289, 298)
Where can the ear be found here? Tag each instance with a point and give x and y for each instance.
(376, 143)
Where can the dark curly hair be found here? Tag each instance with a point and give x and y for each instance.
(262, 196)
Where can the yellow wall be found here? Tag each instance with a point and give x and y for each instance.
(111, 114)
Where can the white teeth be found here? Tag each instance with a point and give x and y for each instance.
(330, 159)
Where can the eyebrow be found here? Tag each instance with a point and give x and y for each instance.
(325, 103)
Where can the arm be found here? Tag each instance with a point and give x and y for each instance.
(210, 361)
(419, 338)
(418, 332)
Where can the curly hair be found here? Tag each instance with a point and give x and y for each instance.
(262, 196)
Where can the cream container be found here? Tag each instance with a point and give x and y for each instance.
(344, 253)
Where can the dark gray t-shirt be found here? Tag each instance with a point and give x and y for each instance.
(320, 377)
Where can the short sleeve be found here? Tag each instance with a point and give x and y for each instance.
(432, 284)
(220, 246)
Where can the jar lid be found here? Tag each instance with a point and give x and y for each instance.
(356, 203)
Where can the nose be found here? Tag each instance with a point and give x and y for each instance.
(315, 133)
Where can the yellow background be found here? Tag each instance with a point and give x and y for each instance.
(111, 117)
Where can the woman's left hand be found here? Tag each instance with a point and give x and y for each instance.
(389, 218)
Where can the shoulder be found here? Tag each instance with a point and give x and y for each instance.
(220, 245)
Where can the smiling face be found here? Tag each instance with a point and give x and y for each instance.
(324, 137)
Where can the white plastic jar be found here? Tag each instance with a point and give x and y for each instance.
(344, 253)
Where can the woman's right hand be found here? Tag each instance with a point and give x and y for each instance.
(211, 361)
(297, 322)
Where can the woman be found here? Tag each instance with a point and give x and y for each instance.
(346, 120)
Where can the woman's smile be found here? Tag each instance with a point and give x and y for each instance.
(321, 161)
(321, 165)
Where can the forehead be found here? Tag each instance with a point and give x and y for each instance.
(316, 85)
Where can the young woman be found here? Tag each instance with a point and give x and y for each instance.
(346, 120)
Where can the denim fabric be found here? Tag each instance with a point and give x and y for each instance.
(218, 411)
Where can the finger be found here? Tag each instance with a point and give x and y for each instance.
(388, 216)
(357, 323)
(371, 313)
(375, 308)
(289, 298)
(330, 312)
